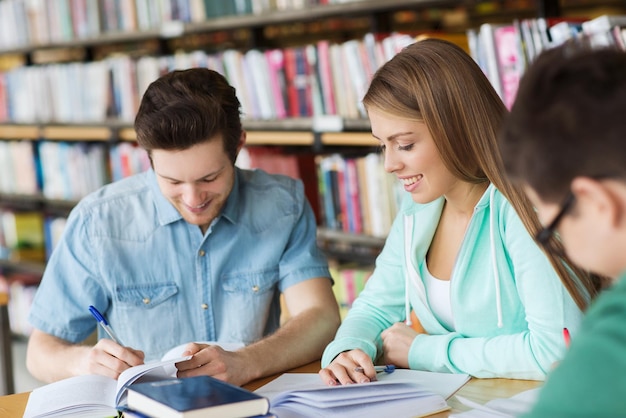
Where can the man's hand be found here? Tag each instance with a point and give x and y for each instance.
(110, 359)
(50, 358)
(213, 360)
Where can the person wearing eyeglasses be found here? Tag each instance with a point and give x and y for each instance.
(460, 286)
(565, 142)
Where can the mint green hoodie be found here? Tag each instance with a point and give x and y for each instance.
(508, 303)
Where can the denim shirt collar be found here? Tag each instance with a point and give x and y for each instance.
(230, 210)
(167, 213)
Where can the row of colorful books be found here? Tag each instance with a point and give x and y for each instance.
(348, 193)
(349, 280)
(21, 289)
(504, 51)
(28, 235)
(325, 78)
(41, 22)
(351, 194)
(356, 194)
(66, 170)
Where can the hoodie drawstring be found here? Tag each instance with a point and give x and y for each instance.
(408, 231)
(496, 274)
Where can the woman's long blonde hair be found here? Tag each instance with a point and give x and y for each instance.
(438, 83)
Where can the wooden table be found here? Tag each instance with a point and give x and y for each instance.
(479, 390)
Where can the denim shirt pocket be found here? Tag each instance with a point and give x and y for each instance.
(251, 295)
(148, 295)
(144, 313)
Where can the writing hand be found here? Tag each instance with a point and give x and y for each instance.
(110, 359)
(397, 340)
(342, 370)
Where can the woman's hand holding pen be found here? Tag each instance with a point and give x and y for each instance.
(349, 367)
(397, 340)
(108, 358)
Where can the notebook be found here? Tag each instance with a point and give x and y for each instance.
(408, 393)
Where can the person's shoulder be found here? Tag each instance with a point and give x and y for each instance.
(127, 191)
(261, 182)
(499, 203)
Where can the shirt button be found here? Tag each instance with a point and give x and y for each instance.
(146, 301)
(204, 306)
(201, 253)
(255, 288)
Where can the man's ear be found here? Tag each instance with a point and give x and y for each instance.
(596, 198)
(242, 141)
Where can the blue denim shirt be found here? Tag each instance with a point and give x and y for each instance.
(160, 282)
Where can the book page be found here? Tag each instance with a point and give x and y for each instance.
(444, 384)
(157, 370)
(88, 395)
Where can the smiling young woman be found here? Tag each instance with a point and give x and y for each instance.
(461, 255)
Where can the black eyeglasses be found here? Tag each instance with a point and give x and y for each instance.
(544, 235)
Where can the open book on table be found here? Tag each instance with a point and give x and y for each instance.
(99, 396)
(403, 393)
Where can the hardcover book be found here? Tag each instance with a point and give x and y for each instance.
(197, 396)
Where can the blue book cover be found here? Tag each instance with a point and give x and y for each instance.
(195, 397)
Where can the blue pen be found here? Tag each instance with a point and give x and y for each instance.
(102, 321)
(389, 368)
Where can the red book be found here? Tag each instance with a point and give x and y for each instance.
(298, 86)
(354, 205)
(509, 60)
(276, 64)
(325, 77)
(290, 75)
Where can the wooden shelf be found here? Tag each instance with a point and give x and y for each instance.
(127, 134)
(178, 29)
(358, 139)
(280, 138)
(345, 246)
(23, 266)
(325, 234)
(19, 132)
(35, 202)
(287, 132)
(76, 133)
(66, 132)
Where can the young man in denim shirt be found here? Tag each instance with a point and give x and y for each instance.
(194, 249)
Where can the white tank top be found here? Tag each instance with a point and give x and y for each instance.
(438, 295)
